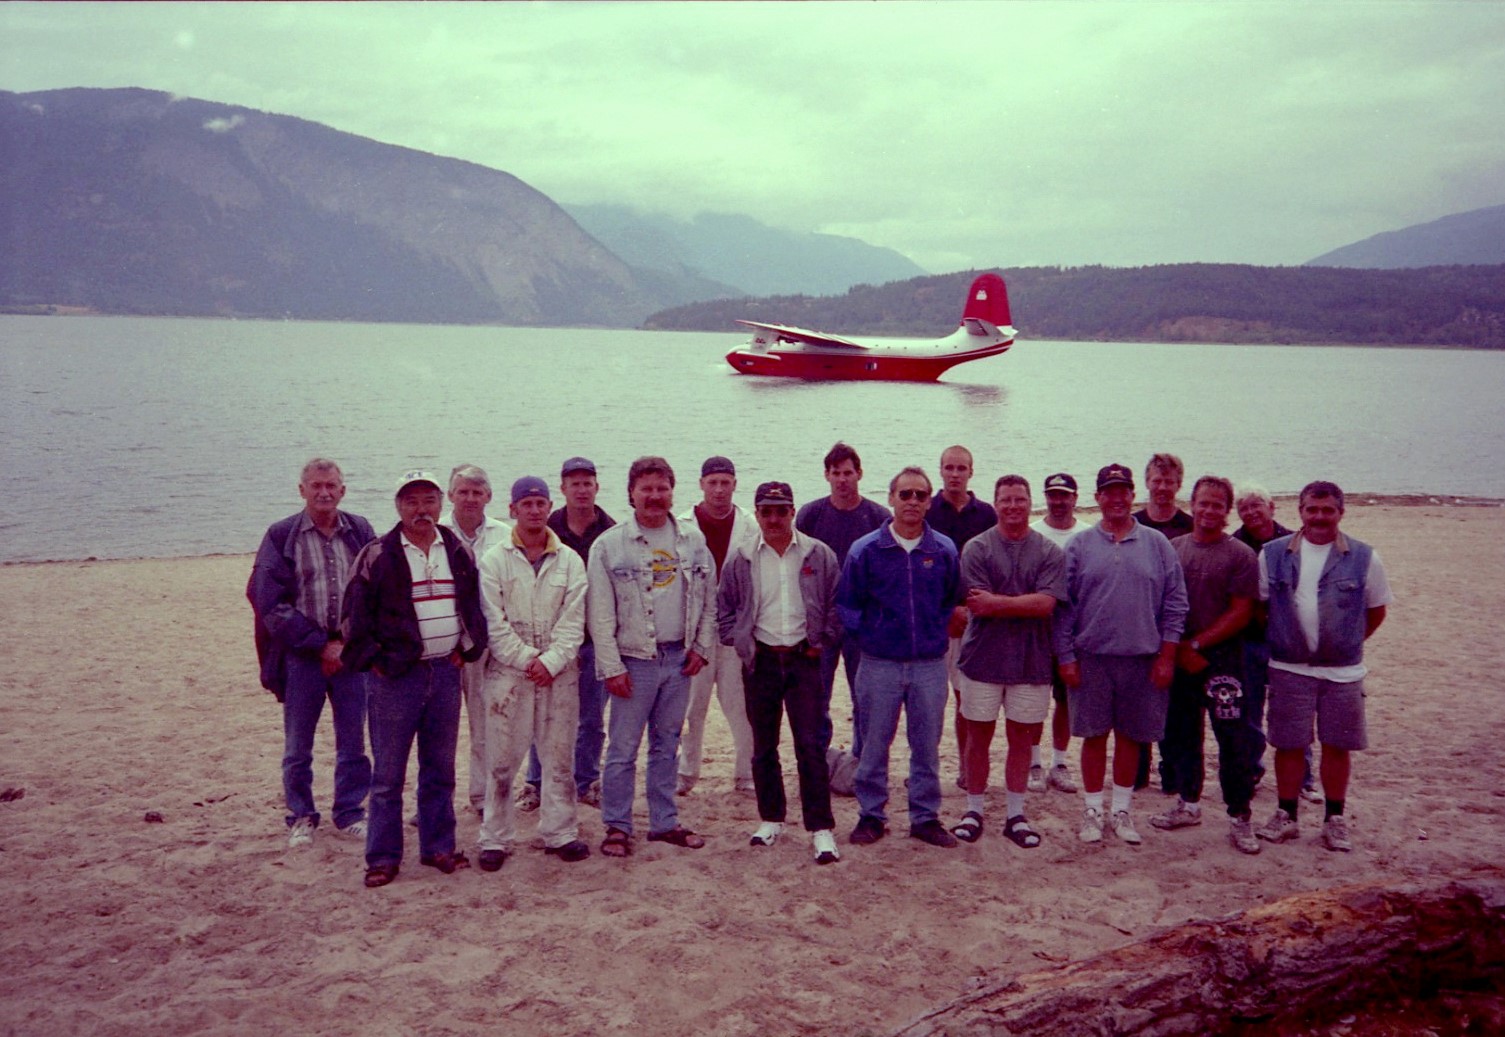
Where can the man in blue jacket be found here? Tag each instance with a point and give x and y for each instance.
(898, 587)
(295, 587)
(412, 616)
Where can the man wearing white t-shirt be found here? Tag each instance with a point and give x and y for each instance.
(1058, 525)
(1318, 623)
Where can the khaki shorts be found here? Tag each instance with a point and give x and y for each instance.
(1021, 703)
(1297, 701)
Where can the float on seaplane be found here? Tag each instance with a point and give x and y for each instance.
(985, 331)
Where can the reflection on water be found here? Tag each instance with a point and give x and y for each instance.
(206, 423)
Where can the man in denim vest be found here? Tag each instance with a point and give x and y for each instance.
(1327, 594)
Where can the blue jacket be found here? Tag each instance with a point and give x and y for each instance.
(897, 603)
(1341, 609)
(377, 615)
(273, 593)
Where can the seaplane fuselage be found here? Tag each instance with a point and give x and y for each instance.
(778, 350)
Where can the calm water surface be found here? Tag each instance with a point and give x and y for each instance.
(129, 437)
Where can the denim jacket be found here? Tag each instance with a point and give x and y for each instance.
(737, 600)
(620, 576)
(1341, 611)
(898, 603)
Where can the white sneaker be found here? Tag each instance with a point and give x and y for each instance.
(1280, 828)
(1123, 827)
(1182, 815)
(1335, 834)
(1241, 835)
(1092, 826)
(301, 834)
(767, 834)
(825, 847)
(745, 785)
(1312, 794)
(1060, 779)
(355, 829)
(1036, 778)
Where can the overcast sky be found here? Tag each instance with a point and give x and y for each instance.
(961, 134)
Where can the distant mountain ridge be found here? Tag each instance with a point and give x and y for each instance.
(738, 251)
(136, 201)
(133, 201)
(1475, 237)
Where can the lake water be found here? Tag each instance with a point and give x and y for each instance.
(131, 437)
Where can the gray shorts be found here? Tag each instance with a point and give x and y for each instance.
(1296, 700)
(1116, 694)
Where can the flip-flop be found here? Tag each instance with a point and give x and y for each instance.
(969, 828)
(679, 836)
(616, 844)
(1017, 830)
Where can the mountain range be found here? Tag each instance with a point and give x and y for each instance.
(139, 202)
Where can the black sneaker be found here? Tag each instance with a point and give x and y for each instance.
(932, 832)
(868, 831)
(572, 851)
(492, 860)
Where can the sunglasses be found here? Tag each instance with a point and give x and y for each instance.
(770, 510)
(914, 494)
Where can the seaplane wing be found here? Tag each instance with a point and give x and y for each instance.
(803, 337)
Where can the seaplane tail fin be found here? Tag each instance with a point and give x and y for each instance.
(988, 300)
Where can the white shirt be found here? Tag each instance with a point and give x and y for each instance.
(780, 619)
(1058, 536)
(489, 533)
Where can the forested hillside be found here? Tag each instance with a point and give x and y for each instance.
(1195, 302)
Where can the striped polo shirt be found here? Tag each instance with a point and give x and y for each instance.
(433, 597)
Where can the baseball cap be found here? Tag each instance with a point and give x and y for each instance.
(718, 465)
(577, 464)
(529, 486)
(413, 475)
(1060, 481)
(773, 493)
(1114, 475)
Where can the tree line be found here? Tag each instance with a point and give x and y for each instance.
(1460, 306)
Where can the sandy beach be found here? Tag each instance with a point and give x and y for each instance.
(130, 687)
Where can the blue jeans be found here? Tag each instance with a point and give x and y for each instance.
(590, 736)
(423, 703)
(660, 696)
(919, 688)
(302, 704)
(847, 651)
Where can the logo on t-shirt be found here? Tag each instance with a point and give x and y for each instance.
(665, 569)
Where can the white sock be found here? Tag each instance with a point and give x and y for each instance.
(1094, 800)
(1034, 757)
(1123, 797)
(1195, 808)
(1015, 802)
(1058, 757)
(975, 801)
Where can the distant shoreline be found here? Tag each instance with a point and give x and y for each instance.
(1355, 500)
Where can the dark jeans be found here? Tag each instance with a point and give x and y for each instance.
(780, 681)
(846, 651)
(422, 704)
(1181, 754)
(307, 688)
(590, 737)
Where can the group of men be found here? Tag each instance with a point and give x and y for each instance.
(1136, 627)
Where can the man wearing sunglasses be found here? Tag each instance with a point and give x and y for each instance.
(898, 588)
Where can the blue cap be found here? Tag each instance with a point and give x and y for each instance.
(529, 486)
(577, 464)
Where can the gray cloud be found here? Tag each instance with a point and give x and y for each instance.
(963, 134)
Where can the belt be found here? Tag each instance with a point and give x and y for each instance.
(802, 648)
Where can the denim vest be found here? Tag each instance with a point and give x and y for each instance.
(1341, 611)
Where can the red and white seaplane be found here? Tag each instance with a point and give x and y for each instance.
(985, 331)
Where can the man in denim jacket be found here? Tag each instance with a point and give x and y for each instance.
(1326, 595)
(651, 612)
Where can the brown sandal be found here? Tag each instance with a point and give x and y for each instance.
(679, 836)
(617, 843)
(380, 874)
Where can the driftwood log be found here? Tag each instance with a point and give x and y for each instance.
(1307, 957)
